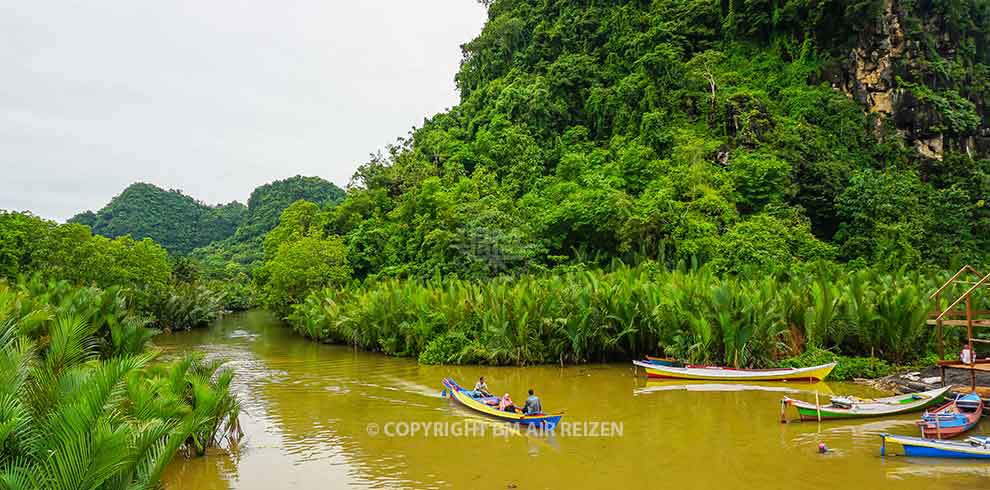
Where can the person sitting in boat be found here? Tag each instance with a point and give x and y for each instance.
(481, 387)
(532, 404)
(506, 405)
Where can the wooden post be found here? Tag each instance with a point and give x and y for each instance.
(938, 326)
(818, 407)
(969, 340)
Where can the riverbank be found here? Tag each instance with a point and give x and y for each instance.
(931, 377)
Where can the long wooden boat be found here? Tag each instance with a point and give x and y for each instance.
(847, 407)
(813, 373)
(953, 418)
(971, 448)
(488, 405)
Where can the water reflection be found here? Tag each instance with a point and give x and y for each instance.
(937, 469)
(308, 409)
(653, 386)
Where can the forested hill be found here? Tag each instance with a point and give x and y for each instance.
(729, 131)
(240, 251)
(172, 219)
(268, 201)
(181, 224)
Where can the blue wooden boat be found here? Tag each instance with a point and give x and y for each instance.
(664, 361)
(488, 405)
(953, 418)
(971, 448)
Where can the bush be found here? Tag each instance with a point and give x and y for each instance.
(444, 349)
(187, 307)
(848, 368)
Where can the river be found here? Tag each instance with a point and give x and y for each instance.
(324, 417)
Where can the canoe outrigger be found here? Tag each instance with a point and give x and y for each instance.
(848, 407)
(971, 448)
(814, 373)
(488, 405)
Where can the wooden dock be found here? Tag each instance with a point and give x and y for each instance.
(966, 316)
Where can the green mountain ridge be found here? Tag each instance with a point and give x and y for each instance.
(172, 219)
(184, 225)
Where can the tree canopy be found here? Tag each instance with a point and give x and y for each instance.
(731, 131)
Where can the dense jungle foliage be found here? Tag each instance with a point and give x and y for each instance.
(594, 130)
(164, 289)
(743, 137)
(84, 404)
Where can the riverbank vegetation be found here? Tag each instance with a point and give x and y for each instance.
(84, 403)
(752, 318)
(165, 290)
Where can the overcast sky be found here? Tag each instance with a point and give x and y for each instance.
(213, 97)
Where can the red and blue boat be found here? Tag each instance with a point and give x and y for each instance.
(488, 405)
(953, 418)
(971, 448)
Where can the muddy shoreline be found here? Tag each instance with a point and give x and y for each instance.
(931, 378)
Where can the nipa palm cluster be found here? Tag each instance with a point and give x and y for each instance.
(84, 404)
(753, 318)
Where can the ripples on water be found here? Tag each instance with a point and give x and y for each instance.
(306, 409)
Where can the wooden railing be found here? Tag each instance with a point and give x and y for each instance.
(937, 316)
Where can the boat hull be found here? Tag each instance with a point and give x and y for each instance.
(814, 373)
(543, 421)
(882, 407)
(931, 448)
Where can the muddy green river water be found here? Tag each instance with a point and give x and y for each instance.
(323, 417)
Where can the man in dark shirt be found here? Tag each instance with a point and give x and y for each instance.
(532, 404)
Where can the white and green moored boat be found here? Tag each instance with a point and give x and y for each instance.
(849, 407)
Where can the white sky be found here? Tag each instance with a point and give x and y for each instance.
(213, 97)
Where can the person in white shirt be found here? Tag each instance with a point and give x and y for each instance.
(482, 387)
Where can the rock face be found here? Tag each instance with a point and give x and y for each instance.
(888, 65)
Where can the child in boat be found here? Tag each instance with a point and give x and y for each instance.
(506, 404)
